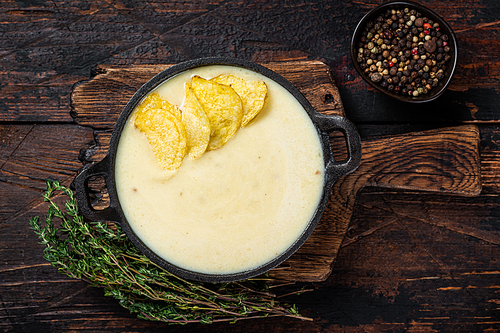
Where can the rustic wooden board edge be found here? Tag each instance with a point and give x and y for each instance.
(305, 265)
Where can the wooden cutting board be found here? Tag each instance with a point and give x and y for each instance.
(444, 160)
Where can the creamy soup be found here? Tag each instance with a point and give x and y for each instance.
(234, 208)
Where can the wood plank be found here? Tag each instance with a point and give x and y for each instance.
(63, 42)
(56, 45)
(33, 153)
(395, 259)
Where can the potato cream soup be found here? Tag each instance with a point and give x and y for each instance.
(234, 208)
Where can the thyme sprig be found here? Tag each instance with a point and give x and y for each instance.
(101, 254)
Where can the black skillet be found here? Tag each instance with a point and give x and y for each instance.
(105, 168)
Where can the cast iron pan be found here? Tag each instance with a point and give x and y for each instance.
(105, 168)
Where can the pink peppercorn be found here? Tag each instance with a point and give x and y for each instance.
(427, 26)
(445, 43)
(414, 51)
(391, 64)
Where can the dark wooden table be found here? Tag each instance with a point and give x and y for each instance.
(411, 260)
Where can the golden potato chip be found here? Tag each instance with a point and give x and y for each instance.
(196, 123)
(164, 131)
(253, 94)
(154, 100)
(223, 108)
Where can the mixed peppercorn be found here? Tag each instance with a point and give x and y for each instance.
(404, 52)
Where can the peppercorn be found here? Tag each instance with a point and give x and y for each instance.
(376, 77)
(404, 52)
(430, 46)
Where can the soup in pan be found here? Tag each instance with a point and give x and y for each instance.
(233, 208)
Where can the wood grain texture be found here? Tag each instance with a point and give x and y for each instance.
(32, 153)
(411, 261)
(442, 160)
(47, 46)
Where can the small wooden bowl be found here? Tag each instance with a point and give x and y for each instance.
(433, 93)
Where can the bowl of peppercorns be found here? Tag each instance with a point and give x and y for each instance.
(405, 50)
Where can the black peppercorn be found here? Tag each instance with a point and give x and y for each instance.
(430, 46)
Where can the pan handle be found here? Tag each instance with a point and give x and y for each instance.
(82, 192)
(329, 124)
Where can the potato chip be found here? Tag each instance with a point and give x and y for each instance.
(223, 108)
(196, 123)
(253, 94)
(154, 100)
(156, 118)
